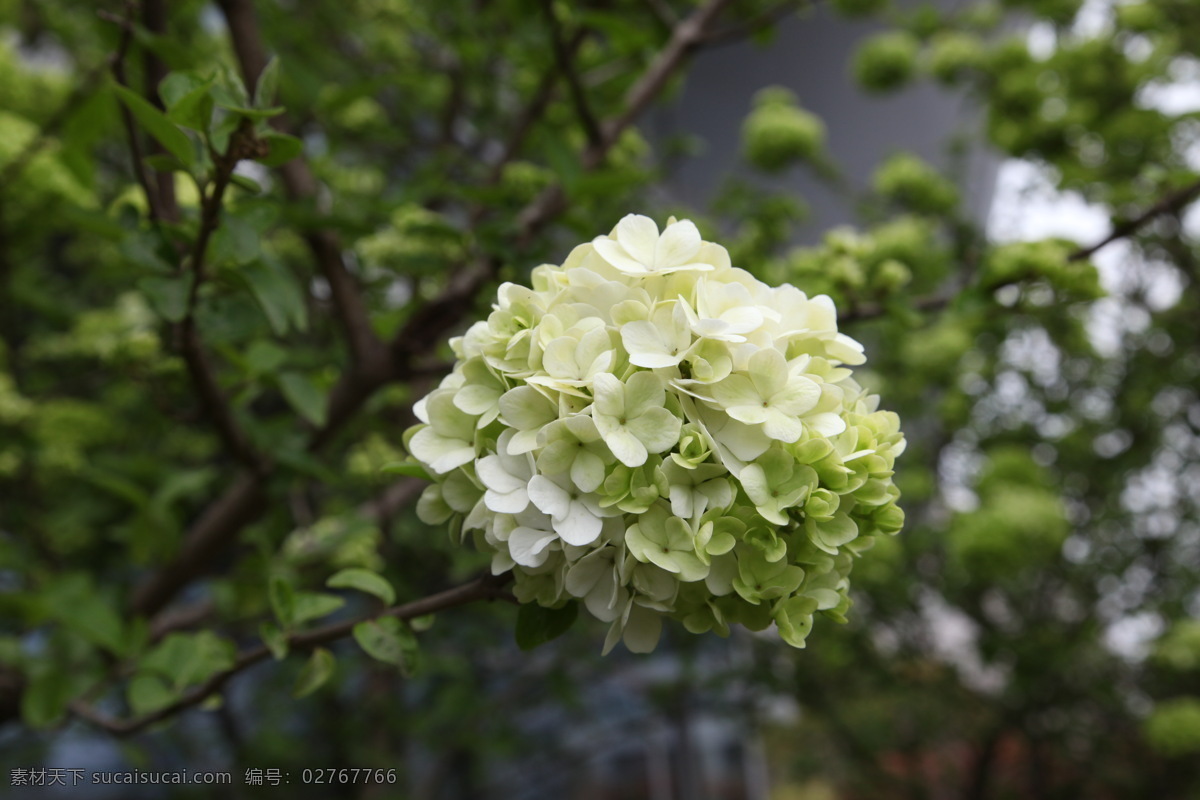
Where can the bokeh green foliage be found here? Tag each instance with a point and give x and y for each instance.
(1046, 480)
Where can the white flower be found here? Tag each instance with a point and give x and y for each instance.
(631, 418)
(636, 247)
(576, 515)
(652, 432)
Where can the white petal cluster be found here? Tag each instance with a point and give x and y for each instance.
(654, 432)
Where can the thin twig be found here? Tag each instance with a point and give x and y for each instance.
(366, 350)
(1172, 202)
(566, 65)
(759, 22)
(243, 500)
(686, 36)
(200, 367)
(485, 588)
(126, 25)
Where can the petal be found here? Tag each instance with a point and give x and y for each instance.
(678, 245)
(588, 571)
(644, 340)
(768, 371)
(579, 526)
(736, 390)
(797, 397)
(609, 394)
(587, 472)
(643, 392)
(476, 399)
(511, 503)
(783, 427)
(826, 424)
(526, 408)
(529, 546)
(440, 453)
(626, 447)
(494, 476)
(614, 254)
(639, 236)
(658, 429)
(549, 497)
(642, 630)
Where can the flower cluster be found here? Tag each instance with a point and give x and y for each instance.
(655, 432)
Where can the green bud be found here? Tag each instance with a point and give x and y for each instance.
(886, 61)
(777, 133)
(953, 54)
(891, 275)
(908, 181)
(1174, 727)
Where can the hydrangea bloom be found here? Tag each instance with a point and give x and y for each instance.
(656, 433)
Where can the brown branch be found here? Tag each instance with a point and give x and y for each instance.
(243, 501)
(241, 504)
(485, 588)
(686, 36)
(761, 21)
(530, 114)
(566, 65)
(397, 496)
(154, 19)
(200, 368)
(300, 184)
(1172, 202)
(125, 23)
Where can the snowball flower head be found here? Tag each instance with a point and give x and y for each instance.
(649, 431)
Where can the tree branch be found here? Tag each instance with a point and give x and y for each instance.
(125, 23)
(566, 65)
(154, 18)
(686, 36)
(300, 184)
(243, 501)
(485, 588)
(1172, 202)
(533, 110)
(760, 21)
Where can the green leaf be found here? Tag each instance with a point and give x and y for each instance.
(316, 672)
(314, 605)
(168, 296)
(235, 242)
(283, 601)
(275, 640)
(409, 469)
(389, 640)
(364, 581)
(283, 148)
(268, 84)
(277, 295)
(178, 85)
(422, 623)
(263, 357)
(188, 100)
(163, 162)
(304, 396)
(186, 659)
(148, 693)
(157, 125)
(45, 698)
(249, 184)
(74, 602)
(537, 625)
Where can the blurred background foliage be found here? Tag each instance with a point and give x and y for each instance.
(235, 236)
